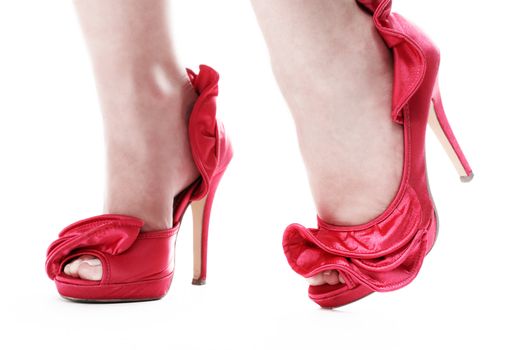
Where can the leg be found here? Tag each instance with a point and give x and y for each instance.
(335, 73)
(145, 98)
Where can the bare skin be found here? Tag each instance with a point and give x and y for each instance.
(145, 99)
(335, 73)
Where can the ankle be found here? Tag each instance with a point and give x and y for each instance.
(146, 98)
(129, 86)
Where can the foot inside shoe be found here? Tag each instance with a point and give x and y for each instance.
(85, 267)
(330, 277)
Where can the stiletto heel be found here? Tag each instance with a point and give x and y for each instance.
(140, 265)
(438, 122)
(201, 218)
(386, 253)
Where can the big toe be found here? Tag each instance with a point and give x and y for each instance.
(90, 270)
(330, 277)
(85, 267)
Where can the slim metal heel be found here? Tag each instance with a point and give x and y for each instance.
(201, 217)
(438, 122)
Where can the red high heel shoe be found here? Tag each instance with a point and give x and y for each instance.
(139, 265)
(386, 253)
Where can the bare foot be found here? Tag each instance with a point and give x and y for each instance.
(336, 76)
(145, 97)
(148, 160)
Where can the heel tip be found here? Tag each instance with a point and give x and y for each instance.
(467, 178)
(198, 282)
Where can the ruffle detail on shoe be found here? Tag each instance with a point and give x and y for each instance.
(207, 135)
(384, 256)
(110, 234)
(408, 57)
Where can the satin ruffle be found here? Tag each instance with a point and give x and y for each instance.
(110, 234)
(384, 256)
(207, 135)
(409, 59)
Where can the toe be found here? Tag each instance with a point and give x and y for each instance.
(90, 270)
(331, 277)
(73, 268)
(316, 280)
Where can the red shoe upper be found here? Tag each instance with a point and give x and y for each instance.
(387, 252)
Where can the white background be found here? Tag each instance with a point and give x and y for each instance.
(470, 293)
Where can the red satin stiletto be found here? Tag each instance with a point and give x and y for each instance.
(386, 253)
(140, 265)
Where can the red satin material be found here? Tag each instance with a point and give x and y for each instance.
(386, 253)
(110, 234)
(139, 265)
(210, 146)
